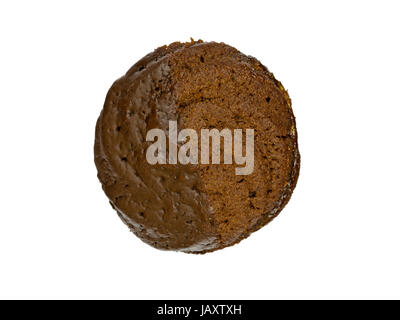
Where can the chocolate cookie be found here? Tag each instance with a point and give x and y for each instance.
(196, 207)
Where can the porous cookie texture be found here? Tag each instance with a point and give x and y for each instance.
(196, 208)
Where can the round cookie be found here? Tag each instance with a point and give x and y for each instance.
(196, 208)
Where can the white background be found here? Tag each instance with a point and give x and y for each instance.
(338, 237)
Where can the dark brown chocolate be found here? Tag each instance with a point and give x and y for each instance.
(204, 207)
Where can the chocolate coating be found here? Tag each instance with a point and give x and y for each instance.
(196, 208)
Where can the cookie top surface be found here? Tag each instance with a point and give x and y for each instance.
(196, 207)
